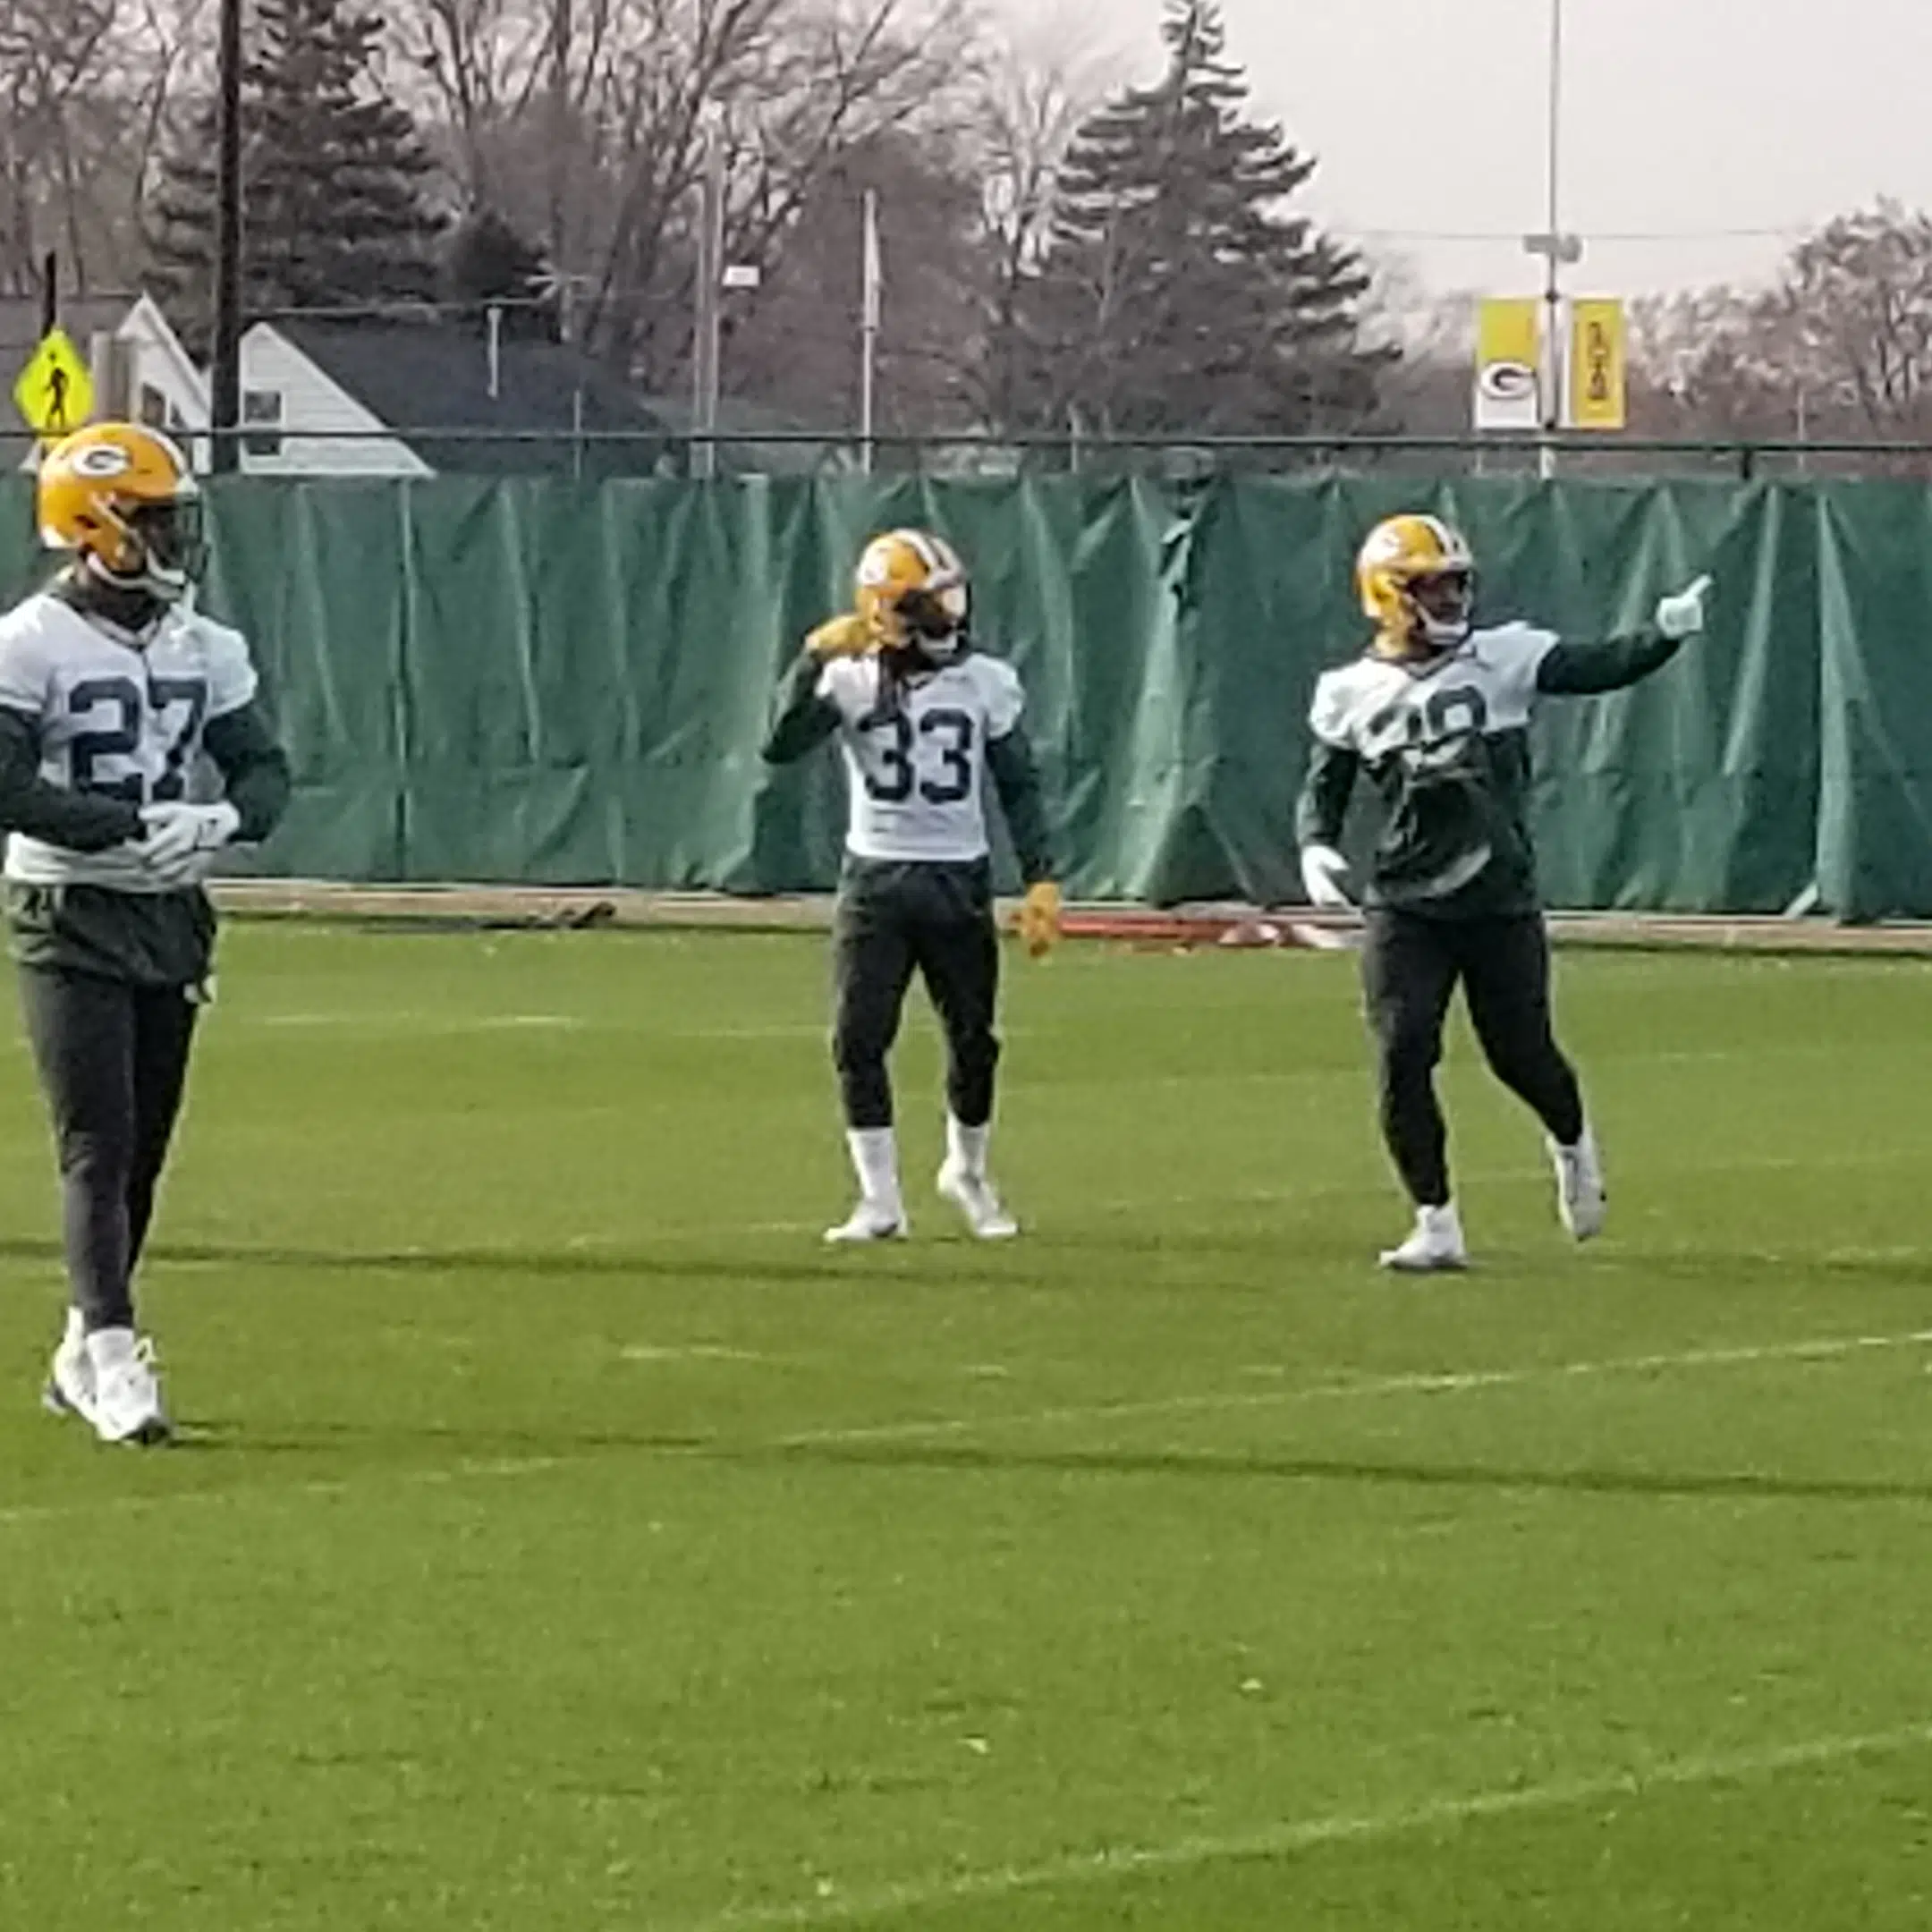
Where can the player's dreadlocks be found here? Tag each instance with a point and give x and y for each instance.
(925, 616)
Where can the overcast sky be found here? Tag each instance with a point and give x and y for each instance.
(1708, 122)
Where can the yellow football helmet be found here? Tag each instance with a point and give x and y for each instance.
(1418, 581)
(913, 591)
(124, 500)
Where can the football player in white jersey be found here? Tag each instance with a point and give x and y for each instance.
(112, 691)
(925, 723)
(1436, 714)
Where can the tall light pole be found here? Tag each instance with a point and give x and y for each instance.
(1559, 250)
(224, 372)
(561, 34)
(707, 330)
(872, 317)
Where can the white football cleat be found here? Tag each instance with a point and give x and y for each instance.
(871, 1220)
(973, 1195)
(69, 1383)
(1435, 1247)
(127, 1392)
(1580, 1200)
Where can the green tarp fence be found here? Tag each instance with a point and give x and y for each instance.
(538, 682)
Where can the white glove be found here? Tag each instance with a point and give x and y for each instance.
(1323, 871)
(1682, 616)
(183, 839)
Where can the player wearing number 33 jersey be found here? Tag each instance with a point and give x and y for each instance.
(914, 754)
(114, 699)
(926, 724)
(1436, 716)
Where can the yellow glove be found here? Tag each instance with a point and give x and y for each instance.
(1039, 918)
(843, 636)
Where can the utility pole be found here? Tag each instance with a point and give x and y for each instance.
(706, 344)
(561, 34)
(224, 374)
(873, 316)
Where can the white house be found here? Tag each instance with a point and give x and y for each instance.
(163, 387)
(327, 397)
(282, 390)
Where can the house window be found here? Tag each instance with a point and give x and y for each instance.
(154, 408)
(261, 408)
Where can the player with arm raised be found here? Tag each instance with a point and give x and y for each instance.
(111, 690)
(925, 721)
(1435, 714)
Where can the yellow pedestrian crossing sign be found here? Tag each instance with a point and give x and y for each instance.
(55, 390)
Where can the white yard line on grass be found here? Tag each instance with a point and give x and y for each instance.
(387, 1025)
(695, 1352)
(1357, 1388)
(1284, 1193)
(482, 1470)
(1294, 1836)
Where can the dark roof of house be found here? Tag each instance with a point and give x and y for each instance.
(756, 440)
(431, 382)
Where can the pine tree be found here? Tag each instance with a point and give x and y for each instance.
(486, 262)
(335, 178)
(1179, 293)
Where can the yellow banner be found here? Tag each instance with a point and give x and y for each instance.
(1599, 363)
(1509, 336)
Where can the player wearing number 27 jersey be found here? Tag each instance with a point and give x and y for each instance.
(115, 715)
(113, 698)
(925, 724)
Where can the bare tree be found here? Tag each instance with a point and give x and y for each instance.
(484, 65)
(1028, 101)
(1428, 387)
(587, 121)
(86, 88)
(797, 348)
(166, 58)
(52, 72)
(1715, 362)
(967, 197)
(1857, 306)
(1839, 348)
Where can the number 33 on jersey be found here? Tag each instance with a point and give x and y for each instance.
(916, 755)
(116, 717)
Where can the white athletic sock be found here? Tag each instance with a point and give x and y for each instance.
(107, 1348)
(875, 1158)
(966, 1148)
(74, 1336)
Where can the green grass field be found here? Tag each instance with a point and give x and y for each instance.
(565, 1542)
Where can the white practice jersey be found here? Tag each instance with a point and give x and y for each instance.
(1378, 708)
(917, 768)
(116, 717)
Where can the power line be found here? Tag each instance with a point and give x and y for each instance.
(1513, 236)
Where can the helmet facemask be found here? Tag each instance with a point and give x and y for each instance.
(163, 548)
(1441, 605)
(933, 619)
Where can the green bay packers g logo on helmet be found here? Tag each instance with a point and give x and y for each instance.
(912, 593)
(1417, 579)
(121, 498)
